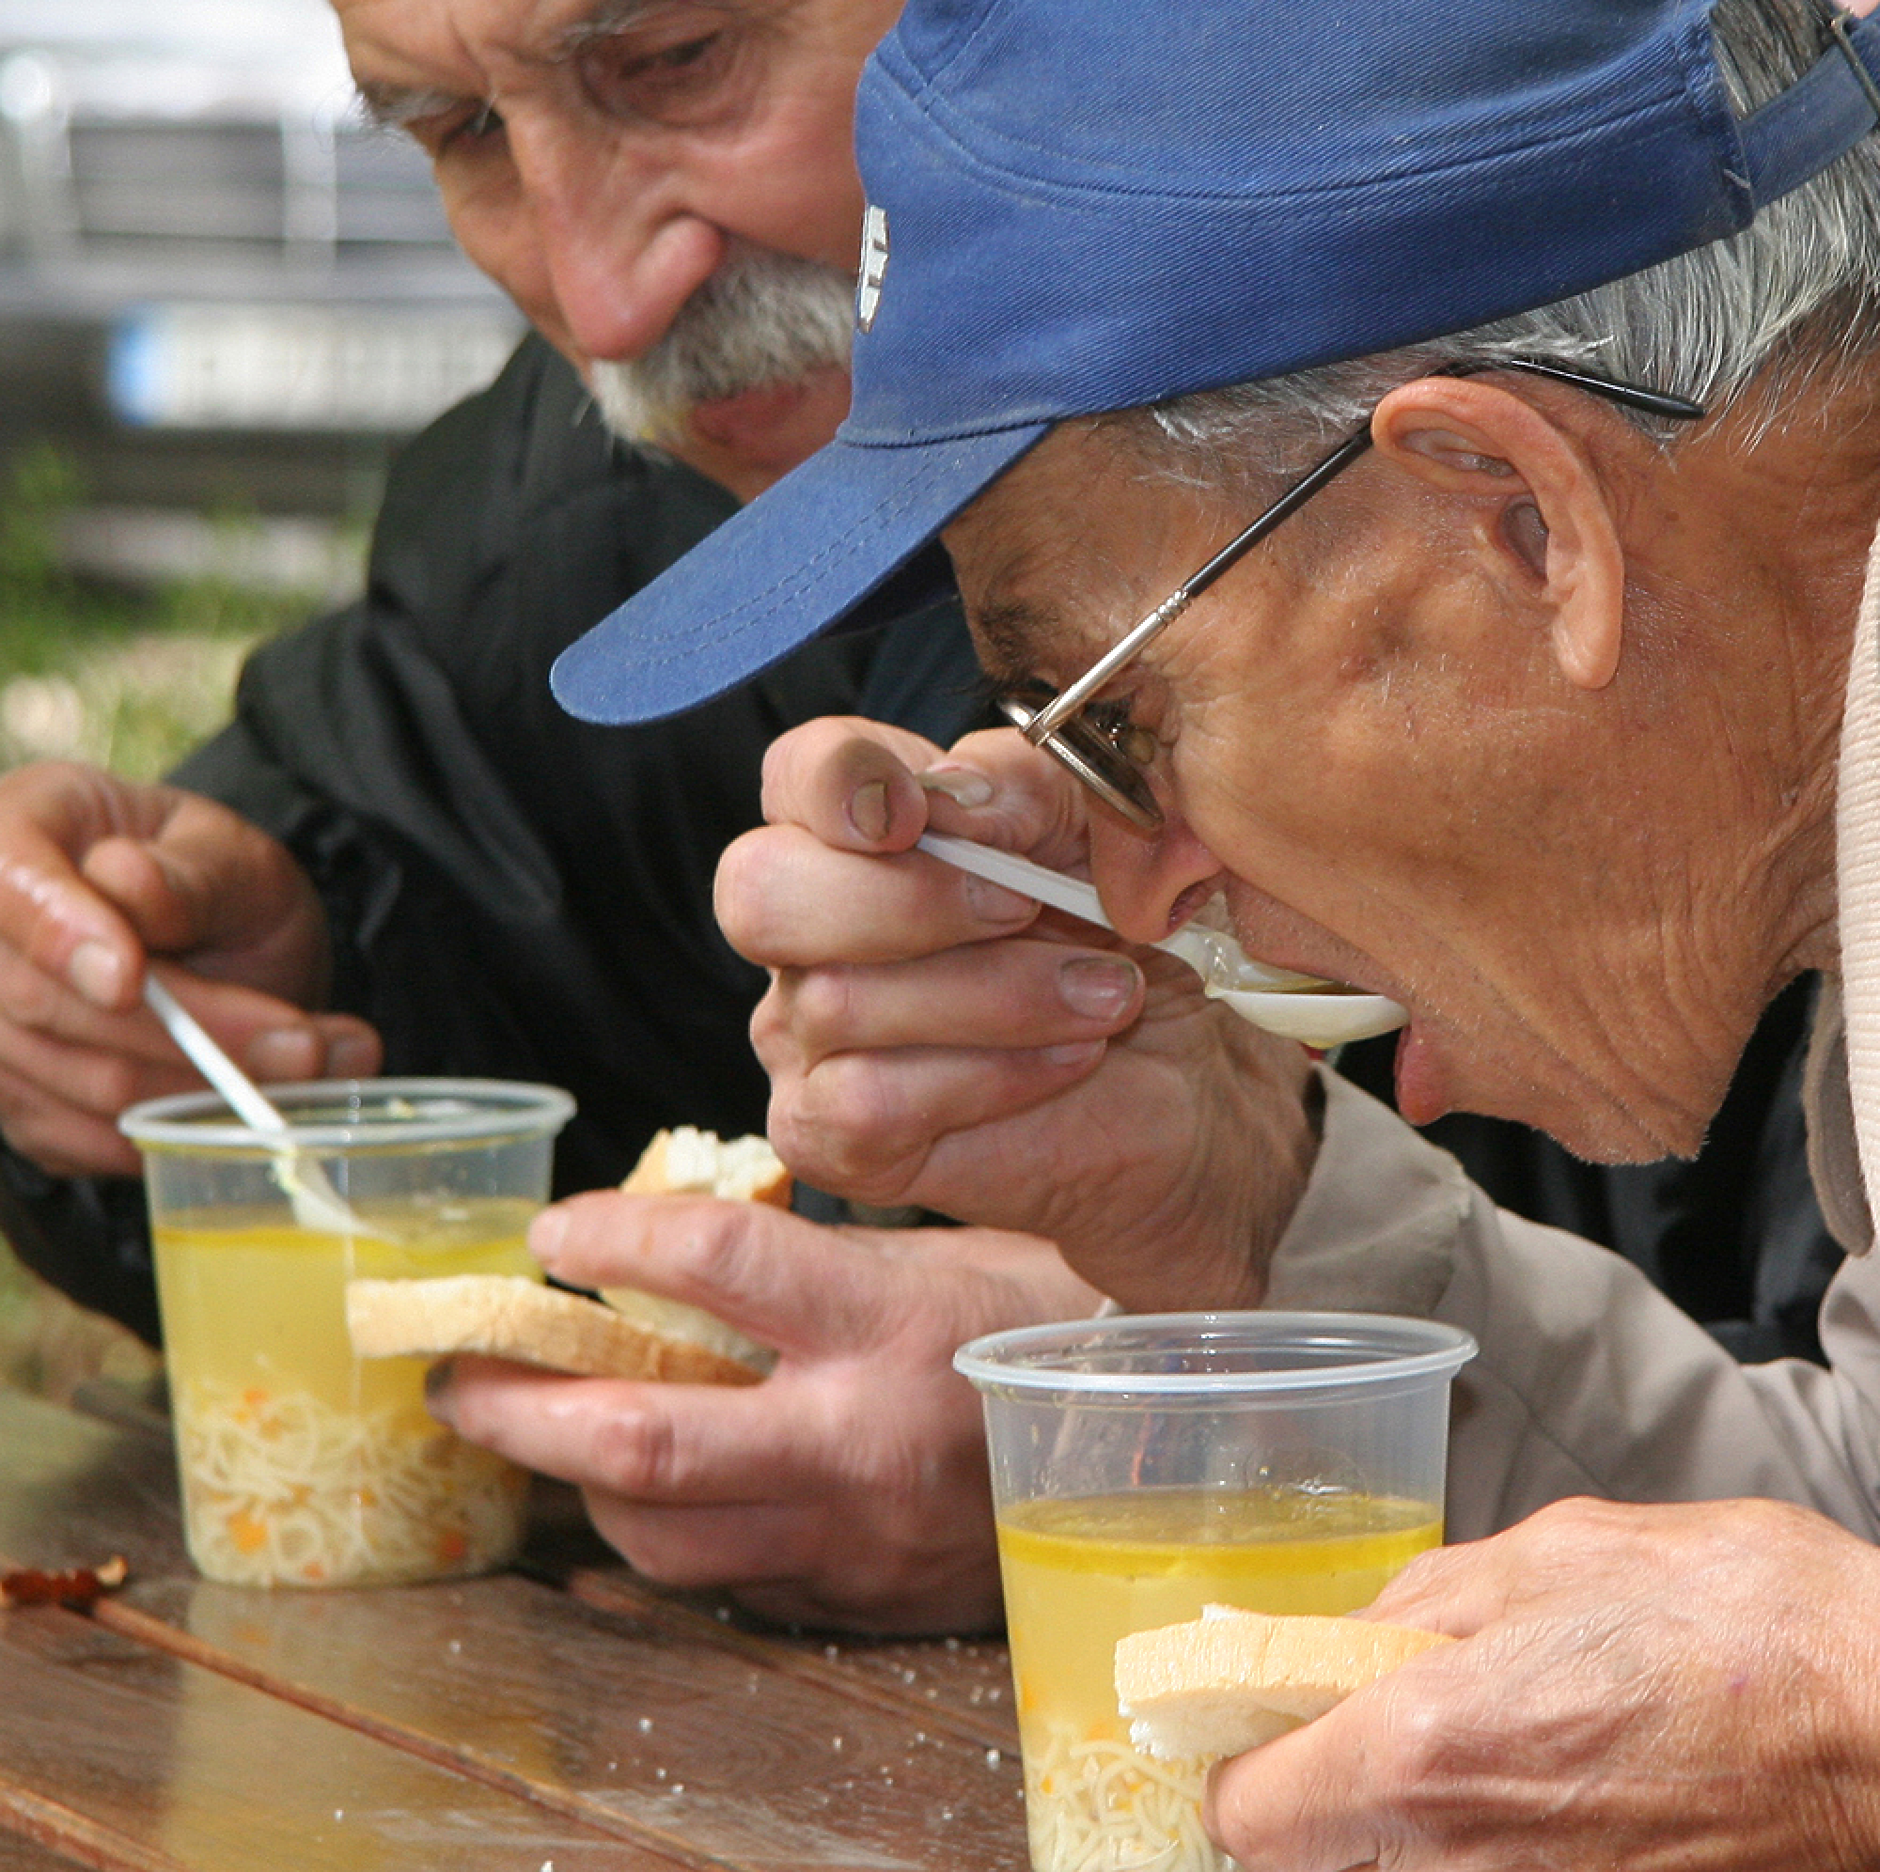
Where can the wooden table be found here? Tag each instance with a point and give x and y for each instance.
(564, 1717)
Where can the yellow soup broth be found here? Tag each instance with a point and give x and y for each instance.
(1081, 1573)
(301, 1464)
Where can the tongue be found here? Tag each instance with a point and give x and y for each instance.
(1421, 1096)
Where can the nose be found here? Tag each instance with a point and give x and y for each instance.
(1151, 883)
(618, 255)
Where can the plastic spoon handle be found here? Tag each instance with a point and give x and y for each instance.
(317, 1205)
(1068, 894)
(1266, 997)
(244, 1097)
(1216, 958)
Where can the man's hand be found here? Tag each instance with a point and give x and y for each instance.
(1669, 1686)
(932, 1039)
(848, 1488)
(99, 876)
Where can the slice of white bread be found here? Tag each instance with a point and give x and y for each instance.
(689, 1162)
(1231, 1680)
(510, 1316)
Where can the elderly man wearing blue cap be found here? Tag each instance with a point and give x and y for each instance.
(1508, 373)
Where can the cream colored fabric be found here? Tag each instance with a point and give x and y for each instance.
(1833, 1153)
(1589, 1380)
(1857, 876)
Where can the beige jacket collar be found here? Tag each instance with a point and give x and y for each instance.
(1843, 1082)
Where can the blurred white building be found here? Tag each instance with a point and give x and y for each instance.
(219, 286)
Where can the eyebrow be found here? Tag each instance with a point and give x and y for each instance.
(609, 16)
(397, 107)
(615, 16)
(1009, 631)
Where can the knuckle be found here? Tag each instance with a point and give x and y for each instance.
(107, 1083)
(635, 1454)
(1417, 1752)
(821, 1007)
(772, 1036)
(713, 1250)
(26, 1134)
(849, 1126)
(735, 898)
(1570, 1521)
(799, 1143)
(784, 756)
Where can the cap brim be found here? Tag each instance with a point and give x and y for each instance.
(795, 560)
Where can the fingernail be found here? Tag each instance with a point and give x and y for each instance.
(350, 1056)
(958, 783)
(1076, 1053)
(1097, 987)
(868, 810)
(283, 1053)
(97, 972)
(546, 1234)
(437, 1390)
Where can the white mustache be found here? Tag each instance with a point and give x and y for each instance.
(762, 318)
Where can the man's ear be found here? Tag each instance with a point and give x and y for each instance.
(1553, 528)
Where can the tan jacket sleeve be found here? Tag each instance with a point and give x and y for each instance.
(1589, 1380)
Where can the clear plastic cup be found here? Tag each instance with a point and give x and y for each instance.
(301, 1464)
(1145, 1466)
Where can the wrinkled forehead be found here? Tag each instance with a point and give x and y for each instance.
(1076, 533)
(409, 55)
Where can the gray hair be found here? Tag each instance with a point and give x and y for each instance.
(1792, 299)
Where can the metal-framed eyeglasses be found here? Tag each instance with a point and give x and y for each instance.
(1103, 757)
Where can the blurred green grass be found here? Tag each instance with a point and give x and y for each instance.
(129, 679)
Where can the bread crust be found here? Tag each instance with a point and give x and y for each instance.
(624, 1334)
(1231, 1680)
(510, 1316)
(742, 1169)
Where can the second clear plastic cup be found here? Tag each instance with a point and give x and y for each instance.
(301, 1464)
(1145, 1466)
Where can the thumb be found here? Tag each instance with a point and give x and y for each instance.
(219, 892)
(150, 888)
(1297, 1804)
(850, 782)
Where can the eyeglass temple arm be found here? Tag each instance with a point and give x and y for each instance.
(1068, 701)
(1634, 396)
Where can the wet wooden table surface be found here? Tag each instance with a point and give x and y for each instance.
(564, 1717)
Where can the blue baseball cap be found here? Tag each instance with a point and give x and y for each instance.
(1086, 205)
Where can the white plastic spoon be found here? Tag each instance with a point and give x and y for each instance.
(1301, 1007)
(317, 1205)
